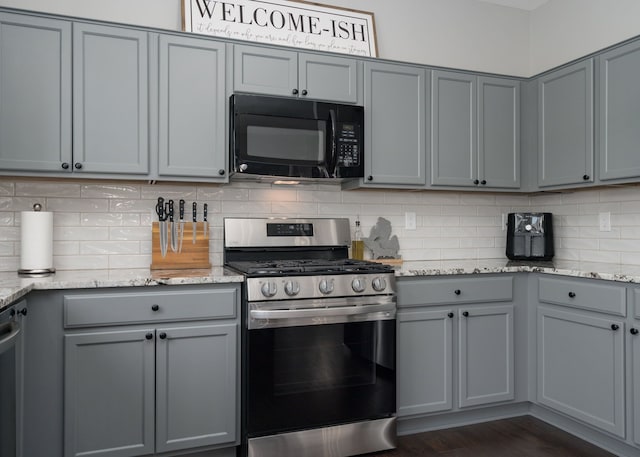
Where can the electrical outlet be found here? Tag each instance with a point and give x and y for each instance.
(605, 222)
(504, 222)
(410, 221)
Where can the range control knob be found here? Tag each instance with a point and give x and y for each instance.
(326, 286)
(269, 289)
(379, 284)
(292, 288)
(358, 285)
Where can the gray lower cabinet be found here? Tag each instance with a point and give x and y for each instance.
(565, 126)
(395, 101)
(288, 73)
(635, 377)
(581, 366)
(470, 343)
(192, 109)
(35, 93)
(619, 112)
(475, 131)
(166, 382)
(110, 100)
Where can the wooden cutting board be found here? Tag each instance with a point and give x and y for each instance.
(193, 255)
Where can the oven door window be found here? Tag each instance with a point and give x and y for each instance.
(301, 377)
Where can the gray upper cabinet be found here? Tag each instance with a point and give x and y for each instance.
(475, 131)
(35, 93)
(565, 126)
(288, 73)
(192, 108)
(110, 99)
(395, 102)
(454, 154)
(619, 111)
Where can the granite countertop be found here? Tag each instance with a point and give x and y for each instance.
(13, 287)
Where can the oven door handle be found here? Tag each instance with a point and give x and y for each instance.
(321, 312)
(8, 336)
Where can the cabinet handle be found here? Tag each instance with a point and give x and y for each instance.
(23, 311)
(450, 315)
(221, 172)
(614, 327)
(65, 166)
(304, 92)
(634, 331)
(465, 313)
(78, 165)
(585, 177)
(155, 307)
(572, 294)
(483, 182)
(476, 182)
(149, 336)
(294, 91)
(162, 335)
(457, 291)
(369, 178)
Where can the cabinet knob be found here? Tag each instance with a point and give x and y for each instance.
(483, 182)
(221, 172)
(23, 311)
(149, 336)
(162, 335)
(465, 313)
(294, 91)
(155, 307)
(572, 294)
(476, 182)
(457, 291)
(369, 178)
(614, 327)
(450, 315)
(585, 177)
(65, 166)
(634, 331)
(304, 92)
(78, 165)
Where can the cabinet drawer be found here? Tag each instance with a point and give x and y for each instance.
(605, 298)
(98, 309)
(417, 292)
(636, 301)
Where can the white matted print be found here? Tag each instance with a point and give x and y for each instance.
(289, 23)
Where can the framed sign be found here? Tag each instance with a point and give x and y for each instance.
(298, 23)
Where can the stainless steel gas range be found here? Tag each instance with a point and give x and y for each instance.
(318, 363)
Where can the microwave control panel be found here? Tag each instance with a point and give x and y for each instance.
(348, 144)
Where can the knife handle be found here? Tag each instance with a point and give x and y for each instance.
(195, 205)
(170, 210)
(204, 210)
(181, 209)
(160, 209)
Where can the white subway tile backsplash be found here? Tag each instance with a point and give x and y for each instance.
(109, 247)
(80, 233)
(10, 234)
(110, 191)
(7, 189)
(130, 233)
(47, 189)
(85, 205)
(6, 219)
(109, 219)
(6, 248)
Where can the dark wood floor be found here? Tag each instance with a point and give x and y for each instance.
(517, 437)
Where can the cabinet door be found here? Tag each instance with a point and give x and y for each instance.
(196, 386)
(581, 367)
(395, 103)
(619, 112)
(565, 126)
(109, 393)
(424, 378)
(35, 93)
(328, 78)
(486, 355)
(110, 100)
(265, 71)
(192, 108)
(635, 356)
(454, 157)
(499, 132)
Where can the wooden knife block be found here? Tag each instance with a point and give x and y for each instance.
(193, 255)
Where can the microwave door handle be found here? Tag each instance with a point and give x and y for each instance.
(332, 163)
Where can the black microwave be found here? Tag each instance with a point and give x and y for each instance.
(295, 138)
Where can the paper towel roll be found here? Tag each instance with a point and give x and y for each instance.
(36, 242)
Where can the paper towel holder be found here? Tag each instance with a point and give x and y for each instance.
(40, 272)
